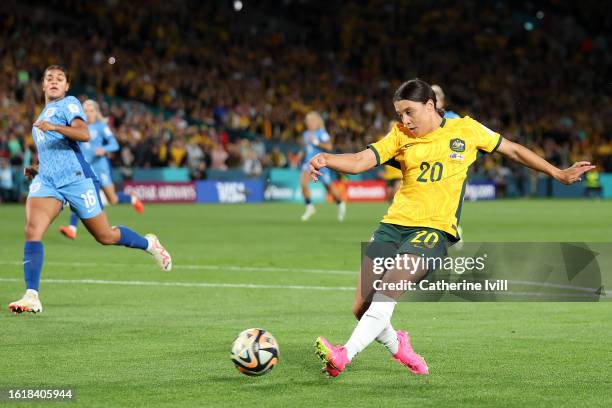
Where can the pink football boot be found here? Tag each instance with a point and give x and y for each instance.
(407, 357)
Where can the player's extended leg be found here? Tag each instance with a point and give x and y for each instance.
(100, 229)
(305, 183)
(113, 197)
(40, 213)
(331, 189)
(363, 299)
(109, 191)
(120, 197)
(373, 322)
(377, 320)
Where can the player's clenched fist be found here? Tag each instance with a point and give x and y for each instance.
(315, 164)
(45, 126)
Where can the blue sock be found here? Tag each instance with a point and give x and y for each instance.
(74, 219)
(124, 198)
(307, 201)
(132, 239)
(32, 263)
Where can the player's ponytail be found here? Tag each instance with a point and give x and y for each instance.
(417, 90)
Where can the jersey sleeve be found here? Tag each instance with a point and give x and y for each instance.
(387, 147)
(485, 139)
(110, 143)
(73, 110)
(324, 137)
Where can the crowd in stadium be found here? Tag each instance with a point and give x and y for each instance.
(213, 88)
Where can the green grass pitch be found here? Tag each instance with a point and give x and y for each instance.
(161, 342)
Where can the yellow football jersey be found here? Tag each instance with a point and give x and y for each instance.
(392, 173)
(434, 168)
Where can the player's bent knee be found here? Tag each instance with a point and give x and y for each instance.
(33, 232)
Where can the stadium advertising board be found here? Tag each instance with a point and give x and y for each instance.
(480, 190)
(363, 191)
(160, 192)
(284, 185)
(235, 191)
(292, 192)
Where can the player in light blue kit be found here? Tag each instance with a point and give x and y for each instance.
(65, 177)
(101, 142)
(317, 140)
(440, 103)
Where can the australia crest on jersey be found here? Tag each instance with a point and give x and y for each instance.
(457, 145)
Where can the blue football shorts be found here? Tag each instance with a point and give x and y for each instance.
(83, 196)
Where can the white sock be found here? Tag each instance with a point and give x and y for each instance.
(388, 338)
(73, 227)
(150, 242)
(372, 323)
(32, 292)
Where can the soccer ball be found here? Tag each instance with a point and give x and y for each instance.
(255, 352)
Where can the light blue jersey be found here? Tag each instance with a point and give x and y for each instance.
(60, 159)
(63, 172)
(100, 135)
(312, 140)
(451, 115)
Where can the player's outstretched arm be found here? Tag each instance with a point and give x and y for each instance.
(351, 163)
(526, 157)
(77, 130)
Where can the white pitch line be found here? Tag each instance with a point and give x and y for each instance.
(253, 286)
(245, 285)
(185, 284)
(238, 268)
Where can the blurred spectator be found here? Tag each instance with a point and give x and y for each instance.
(218, 157)
(195, 161)
(500, 175)
(178, 153)
(252, 166)
(176, 78)
(592, 184)
(6, 181)
(277, 158)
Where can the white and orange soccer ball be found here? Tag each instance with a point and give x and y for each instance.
(255, 352)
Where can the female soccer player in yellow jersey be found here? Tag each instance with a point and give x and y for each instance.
(435, 154)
